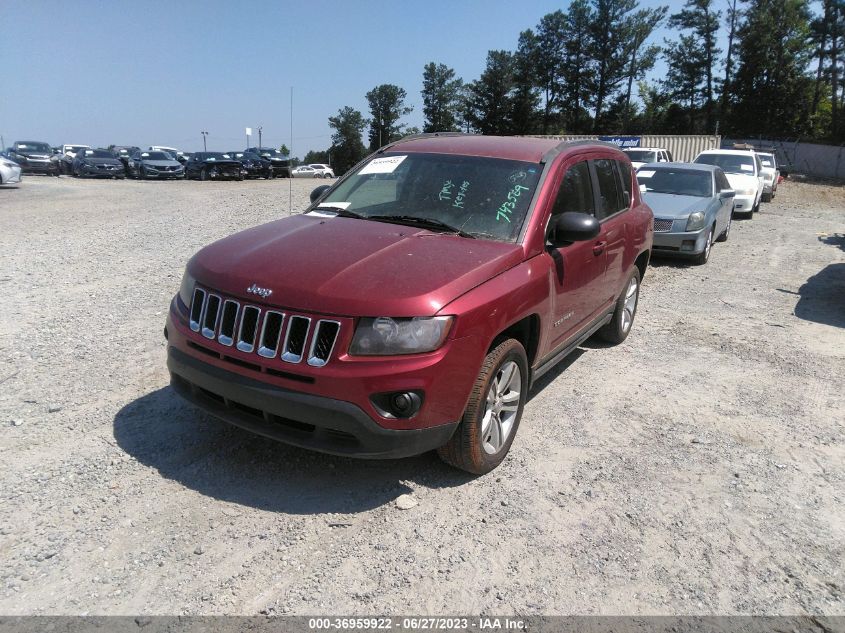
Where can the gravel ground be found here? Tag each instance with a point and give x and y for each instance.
(697, 468)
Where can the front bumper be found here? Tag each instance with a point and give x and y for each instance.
(34, 166)
(306, 420)
(680, 242)
(444, 378)
(152, 172)
(744, 203)
(110, 171)
(11, 175)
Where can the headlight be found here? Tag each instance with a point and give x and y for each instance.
(696, 221)
(384, 336)
(186, 290)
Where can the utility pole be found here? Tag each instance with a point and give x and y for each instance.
(204, 135)
(259, 137)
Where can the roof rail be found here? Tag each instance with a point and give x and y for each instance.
(548, 156)
(413, 137)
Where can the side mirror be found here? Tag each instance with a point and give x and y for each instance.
(727, 193)
(319, 191)
(573, 227)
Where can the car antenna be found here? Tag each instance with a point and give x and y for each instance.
(290, 158)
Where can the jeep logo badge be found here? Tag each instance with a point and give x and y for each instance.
(255, 289)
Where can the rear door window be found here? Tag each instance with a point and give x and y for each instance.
(609, 194)
(624, 169)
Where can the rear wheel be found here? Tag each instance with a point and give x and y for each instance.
(491, 419)
(623, 314)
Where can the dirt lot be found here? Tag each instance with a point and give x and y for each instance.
(697, 468)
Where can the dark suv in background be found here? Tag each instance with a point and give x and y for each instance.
(280, 162)
(34, 157)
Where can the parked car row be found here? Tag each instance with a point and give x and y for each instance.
(156, 162)
(694, 203)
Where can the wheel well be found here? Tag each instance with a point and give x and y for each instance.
(527, 332)
(642, 263)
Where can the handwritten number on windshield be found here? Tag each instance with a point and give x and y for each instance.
(506, 209)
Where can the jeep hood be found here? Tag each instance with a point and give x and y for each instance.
(349, 267)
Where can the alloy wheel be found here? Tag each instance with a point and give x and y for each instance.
(502, 407)
(631, 295)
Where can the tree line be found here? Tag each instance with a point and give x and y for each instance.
(584, 70)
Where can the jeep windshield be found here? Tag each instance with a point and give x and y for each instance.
(483, 197)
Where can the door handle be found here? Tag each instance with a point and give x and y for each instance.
(598, 247)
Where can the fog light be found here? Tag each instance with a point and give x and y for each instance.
(688, 245)
(400, 404)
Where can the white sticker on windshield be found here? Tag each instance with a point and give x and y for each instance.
(383, 165)
(648, 173)
(746, 167)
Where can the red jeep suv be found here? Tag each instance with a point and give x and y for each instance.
(417, 299)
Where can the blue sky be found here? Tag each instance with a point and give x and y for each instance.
(159, 72)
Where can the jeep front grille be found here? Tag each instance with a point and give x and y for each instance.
(268, 333)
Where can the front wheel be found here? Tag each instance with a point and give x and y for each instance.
(623, 314)
(204, 174)
(727, 232)
(702, 257)
(490, 421)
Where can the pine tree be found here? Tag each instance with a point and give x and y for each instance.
(347, 147)
(489, 100)
(702, 20)
(609, 43)
(577, 72)
(441, 95)
(387, 105)
(771, 87)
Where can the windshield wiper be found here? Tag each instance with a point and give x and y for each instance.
(426, 223)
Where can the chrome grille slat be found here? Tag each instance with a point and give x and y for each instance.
(271, 333)
(210, 316)
(268, 333)
(249, 329)
(228, 321)
(322, 343)
(197, 305)
(295, 338)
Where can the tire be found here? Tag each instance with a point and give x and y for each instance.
(623, 314)
(766, 197)
(756, 207)
(469, 449)
(142, 173)
(204, 174)
(724, 236)
(702, 258)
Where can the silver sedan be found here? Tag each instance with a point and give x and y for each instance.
(10, 171)
(692, 205)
